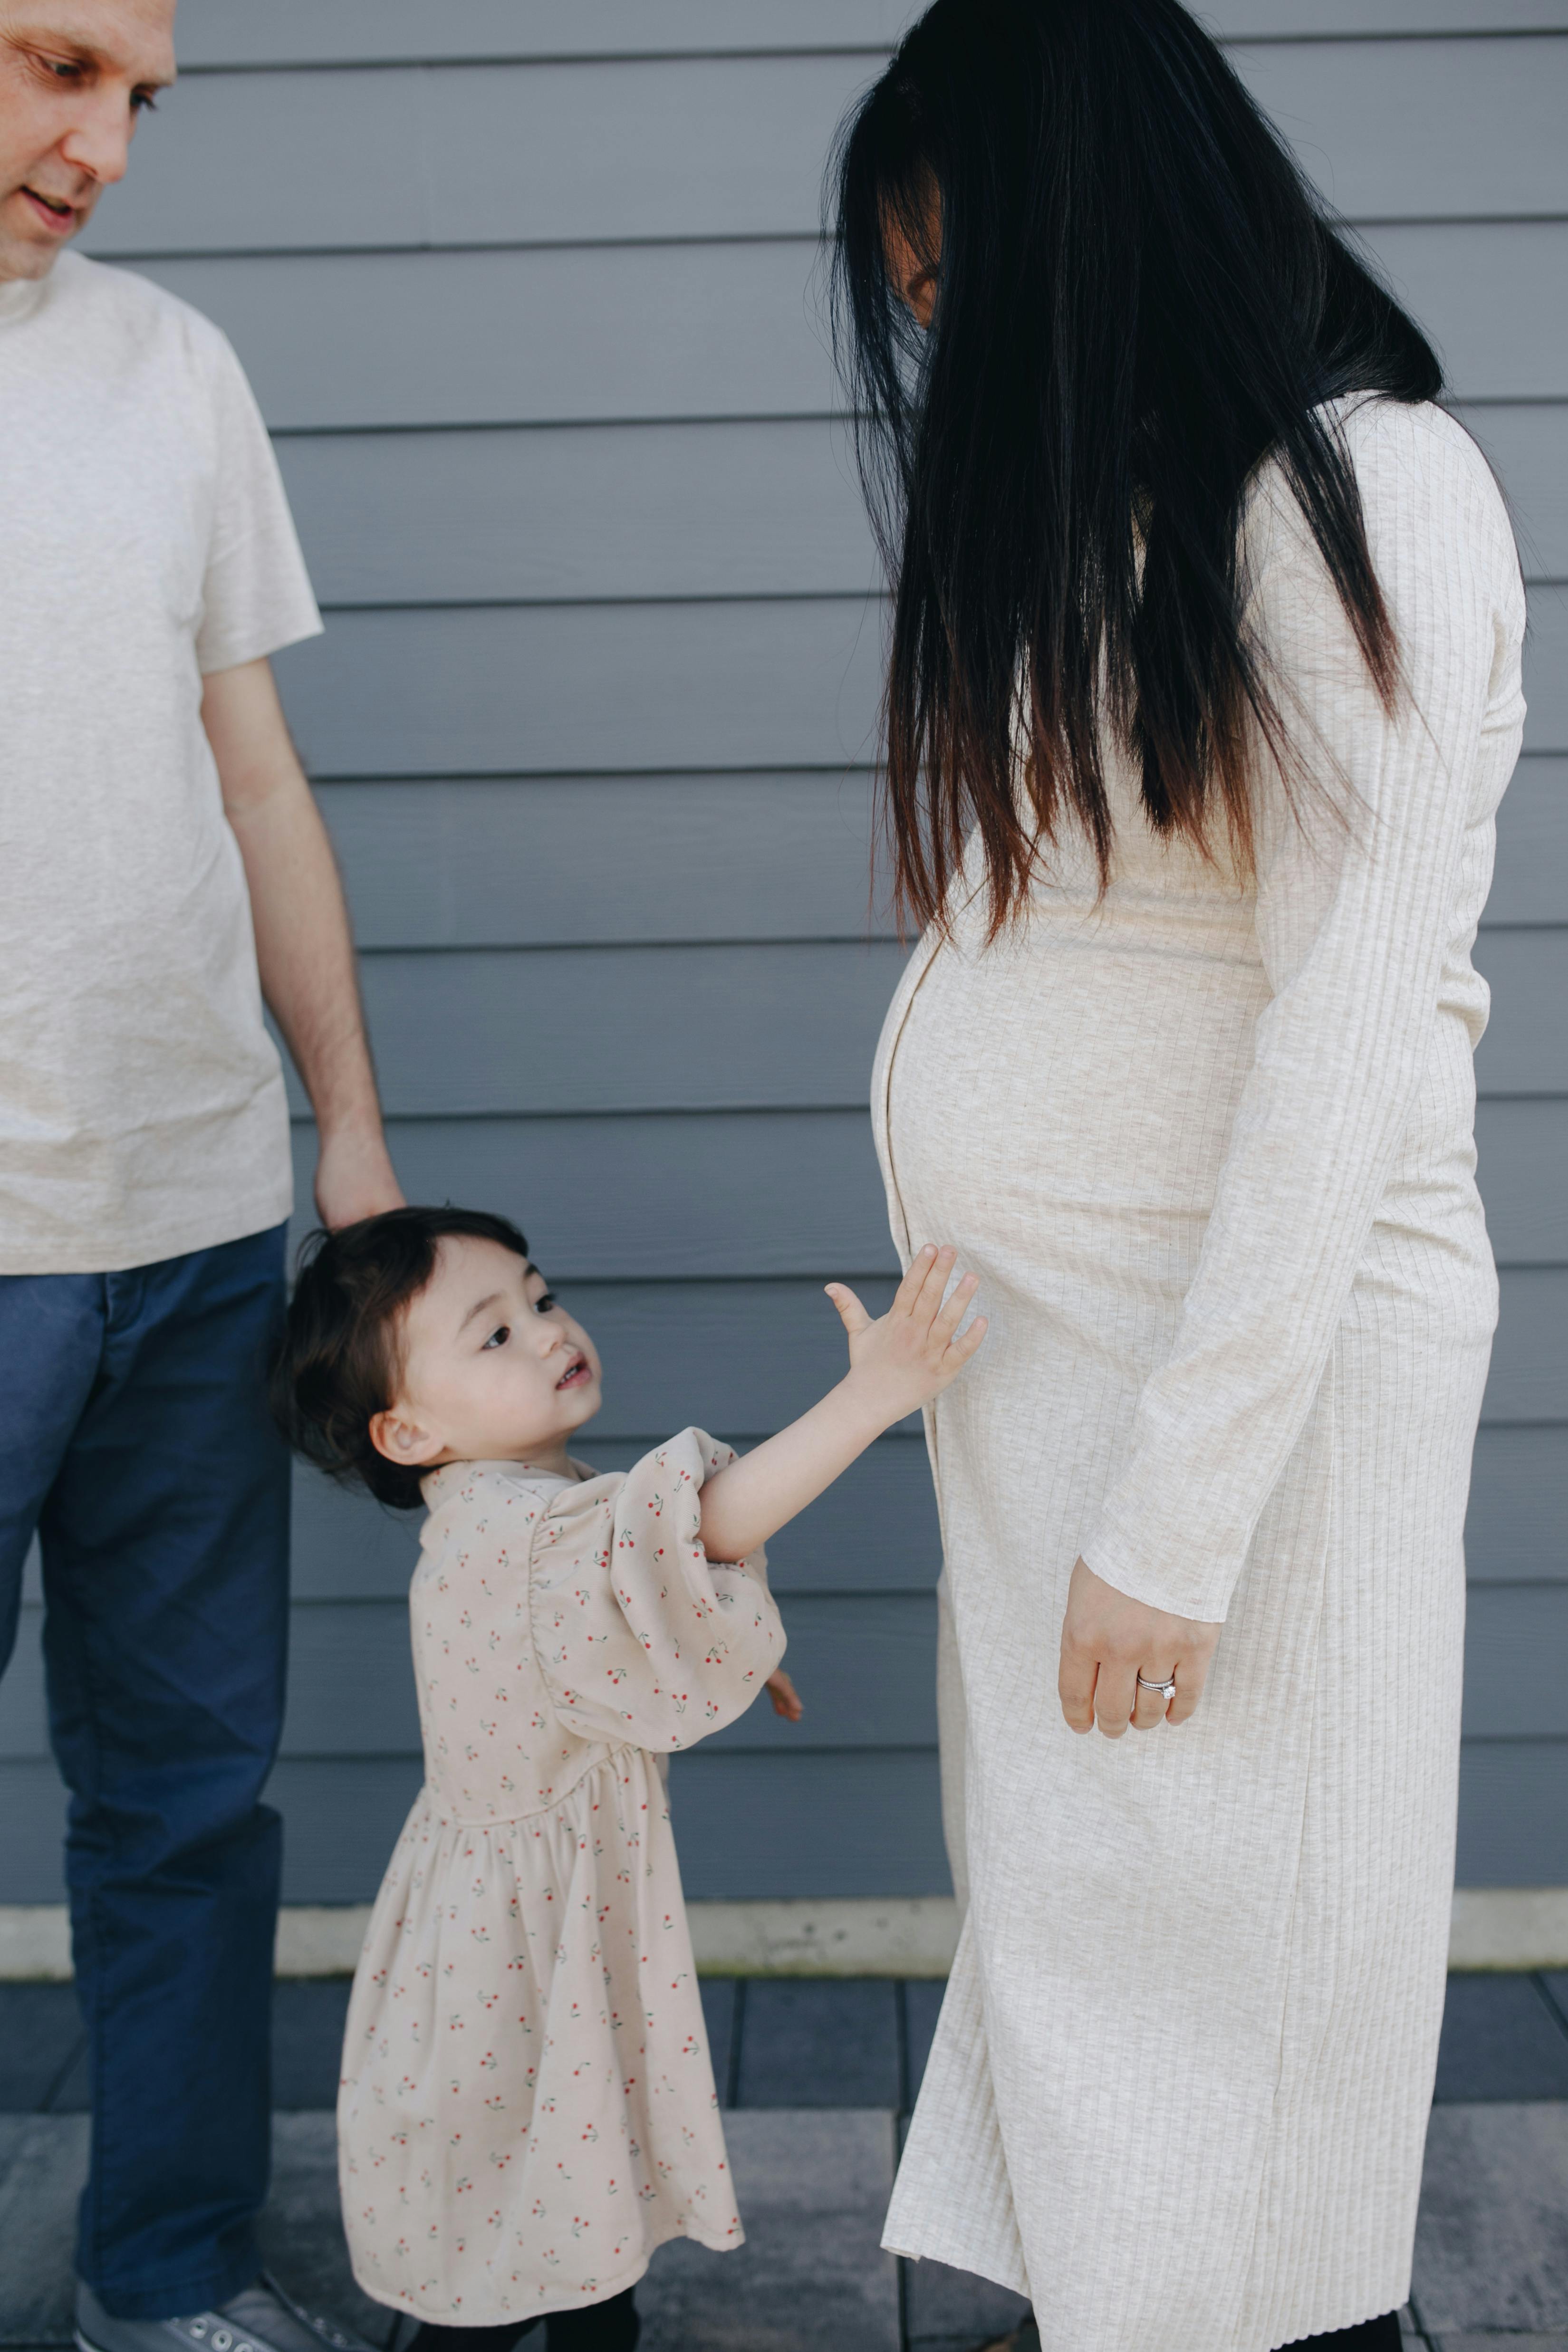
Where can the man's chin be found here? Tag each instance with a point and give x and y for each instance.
(27, 256)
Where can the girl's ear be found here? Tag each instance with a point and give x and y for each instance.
(401, 1440)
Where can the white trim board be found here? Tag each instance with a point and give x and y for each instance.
(1494, 1928)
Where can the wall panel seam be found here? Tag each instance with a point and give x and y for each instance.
(405, 248)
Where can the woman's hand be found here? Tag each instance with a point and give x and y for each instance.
(908, 1356)
(1109, 1640)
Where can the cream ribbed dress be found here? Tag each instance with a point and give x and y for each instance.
(1209, 1148)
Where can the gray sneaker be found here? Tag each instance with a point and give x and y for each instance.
(261, 2318)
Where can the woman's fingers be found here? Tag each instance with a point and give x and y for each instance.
(1109, 1640)
(1115, 1688)
(1074, 1687)
(1148, 1706)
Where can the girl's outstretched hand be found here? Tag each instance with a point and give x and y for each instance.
(908, 1356)
(786, 1700)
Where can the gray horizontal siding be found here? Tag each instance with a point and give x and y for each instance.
(613, 512)
(1518, 1530)
(644, 860)
(608, 513)
(617, 976)
(216, 33)
(680, 859)
(588, 511)
(1524, 1050)
(1514, 1813)
(1532, 881)
(749, 1825)
(753, 1027)
(603, 1029)
(722, 330)
(497, 154)
(671, 1195)
(770, 683)
(874, 1532)
(491, 154)
(1527, 442)
(864, 1662)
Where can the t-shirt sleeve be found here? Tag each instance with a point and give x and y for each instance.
(639, 1635)
(255, 594)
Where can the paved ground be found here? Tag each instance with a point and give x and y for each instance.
(817, 2075)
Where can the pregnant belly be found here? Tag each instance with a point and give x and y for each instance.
(1059, 1108)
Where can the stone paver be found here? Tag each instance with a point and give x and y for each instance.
(811, 2277)
(43, 2163)
(1499, 2343)
(1491, 2245)
(814, 2174)
(813, 2186)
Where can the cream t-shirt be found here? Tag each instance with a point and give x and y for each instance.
(147, 541)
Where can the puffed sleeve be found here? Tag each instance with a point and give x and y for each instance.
(639, 1635)
(1353, 924)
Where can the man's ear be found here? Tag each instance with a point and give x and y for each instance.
(398, 1438)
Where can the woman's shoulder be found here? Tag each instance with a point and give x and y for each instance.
(1427, 490)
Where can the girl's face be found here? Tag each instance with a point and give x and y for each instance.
(493, 1370)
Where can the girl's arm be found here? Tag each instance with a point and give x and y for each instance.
(897, 1364)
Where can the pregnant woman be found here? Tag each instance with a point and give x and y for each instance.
(1204, 687)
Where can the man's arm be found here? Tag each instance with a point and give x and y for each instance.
(303, 945)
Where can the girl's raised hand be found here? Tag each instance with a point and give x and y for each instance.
(908, 1356)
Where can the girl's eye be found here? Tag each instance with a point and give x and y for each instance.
(544, 1302)
(143, 102)
(499, 1336)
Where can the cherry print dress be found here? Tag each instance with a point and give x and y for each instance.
(527, 2107)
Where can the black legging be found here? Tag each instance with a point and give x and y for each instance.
(1372, 2335)
(610, 2326)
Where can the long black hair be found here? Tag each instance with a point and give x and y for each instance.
(1137, 298)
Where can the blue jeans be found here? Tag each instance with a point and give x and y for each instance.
(134, 1438)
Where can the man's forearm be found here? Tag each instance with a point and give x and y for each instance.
(305, 955)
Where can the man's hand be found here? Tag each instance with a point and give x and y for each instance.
(1109, 1640)
(355, 1179)
(908, 1355)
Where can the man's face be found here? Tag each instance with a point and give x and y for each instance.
(74, 76)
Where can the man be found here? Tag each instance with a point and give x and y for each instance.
(160, 853)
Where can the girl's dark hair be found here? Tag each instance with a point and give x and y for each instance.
(1138, 298)
(338, 1366)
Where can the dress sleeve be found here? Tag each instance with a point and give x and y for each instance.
(1353, 916)
(639, 1635)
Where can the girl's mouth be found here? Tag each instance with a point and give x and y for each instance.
(576, 1374)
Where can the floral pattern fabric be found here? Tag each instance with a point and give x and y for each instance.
(527, 2107)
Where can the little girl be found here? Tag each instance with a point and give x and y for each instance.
(528, 2107)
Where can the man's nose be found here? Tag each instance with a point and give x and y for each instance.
(99, 141)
